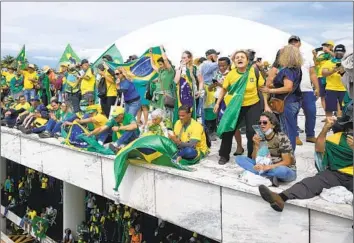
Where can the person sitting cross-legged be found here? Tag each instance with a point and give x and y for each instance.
(123, 126)
(281, 161)
(336, 168)
(189, 136)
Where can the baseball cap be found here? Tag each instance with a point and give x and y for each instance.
(339, 48)
(211, 51)
(45, 69)
(347, 116)
(31, 66)
(294, 37)
(84, 61)
(329, 42)
(118, 111)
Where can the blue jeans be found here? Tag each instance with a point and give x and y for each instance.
(28, 93)
(11, 120)
(132, 108)
(103, 136)
(283, 173)
(288, 121)
(126, 138)
(200, 110)
(188, 153)
(308, 105)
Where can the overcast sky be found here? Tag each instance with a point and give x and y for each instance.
(46, 28)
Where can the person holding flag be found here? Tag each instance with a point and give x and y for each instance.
(244, 105)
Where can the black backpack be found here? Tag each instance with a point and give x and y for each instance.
(102, 88)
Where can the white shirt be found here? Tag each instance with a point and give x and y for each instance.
(306, 84)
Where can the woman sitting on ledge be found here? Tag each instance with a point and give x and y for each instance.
(281, 165)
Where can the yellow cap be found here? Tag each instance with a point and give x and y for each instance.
(329, 42)
(118, 111)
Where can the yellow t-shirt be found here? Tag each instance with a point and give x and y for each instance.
(193, 131)
(88, 82)
(27, 84)
(44, 182)
(32, 214)
(111, 86)
(334, 81)
(8, 76)
(335, 138)
(25, 106)
(99, 120)
(251, 92)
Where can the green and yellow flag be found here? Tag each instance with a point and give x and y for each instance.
(141, 68)
(69, 56)
(152, 149)
(40, 227)
(229, 119)
(21, 58)
(113, 52)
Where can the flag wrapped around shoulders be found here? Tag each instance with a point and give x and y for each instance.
(152, 149)
(230, 117)
(40, 227)
(21, 58)
(141, 68)
(69, 56)
(76, 138)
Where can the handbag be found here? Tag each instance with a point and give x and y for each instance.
(277, 105)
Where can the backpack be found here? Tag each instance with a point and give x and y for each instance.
(102, 88)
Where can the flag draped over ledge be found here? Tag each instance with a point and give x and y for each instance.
(69, 56)
(150, 149)
(40, 227)
(141, 68)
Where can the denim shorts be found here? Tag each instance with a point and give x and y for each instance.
(133, 107)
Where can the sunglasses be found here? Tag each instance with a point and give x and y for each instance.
(263, 122)
(119, 74)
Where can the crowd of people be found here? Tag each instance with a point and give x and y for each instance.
(215, 97)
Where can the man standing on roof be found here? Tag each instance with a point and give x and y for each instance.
(30, 79)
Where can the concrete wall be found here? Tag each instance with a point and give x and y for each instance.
(226, 213)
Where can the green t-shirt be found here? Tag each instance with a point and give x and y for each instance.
(16, 89)
(128, 119)
(166, 77)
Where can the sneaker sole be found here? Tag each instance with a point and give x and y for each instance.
(266, 195)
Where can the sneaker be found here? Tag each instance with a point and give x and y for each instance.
(44, 135)
(223, 161)
(275, 201)
(113, 148)
(57, 135)
(298, 141)
(213, 137)
(311, 140)
(300, 130)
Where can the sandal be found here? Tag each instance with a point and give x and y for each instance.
(236, 153)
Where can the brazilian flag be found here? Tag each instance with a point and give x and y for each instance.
(151, 149)
(141, 68)
(76, 137)
(40, 227)
(113, 52)
(69, 56)
(21, 58)
(237, 90)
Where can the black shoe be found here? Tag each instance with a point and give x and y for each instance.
(223, 161)
(243, 150)
(26, 131)
(114, 148)
(300, 130)
(274, 181)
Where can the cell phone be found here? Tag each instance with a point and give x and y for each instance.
(339, 64)
(258, 130)
(319, 49)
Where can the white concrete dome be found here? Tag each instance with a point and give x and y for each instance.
(223, 33)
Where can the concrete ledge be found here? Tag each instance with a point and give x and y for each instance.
(210, 200)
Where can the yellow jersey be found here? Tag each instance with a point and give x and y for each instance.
(88, 82)
(111, 86)
(27, 84)
(334, 81)
(193, 131)
(251, 93)
(8, 77)
(99, 120)
(25, 106)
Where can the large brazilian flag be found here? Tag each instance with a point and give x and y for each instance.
(152, 149)
(69, 56)
(141, 68)
(21, 58)
(40, 227)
